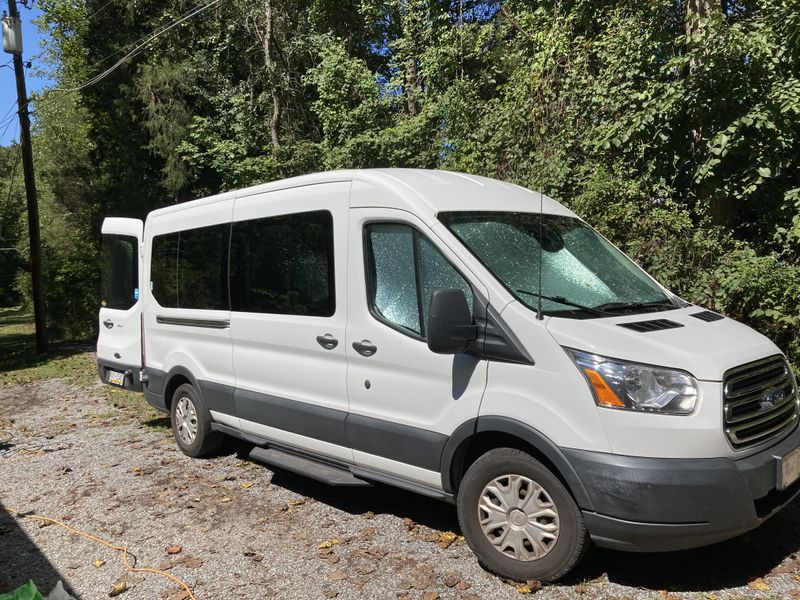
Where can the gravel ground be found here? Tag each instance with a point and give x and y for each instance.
(246, 532)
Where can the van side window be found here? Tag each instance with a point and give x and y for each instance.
(284, 265)
(119, 279)
(189, 269)
(403, 270)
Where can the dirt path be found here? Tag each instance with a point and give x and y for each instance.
(246, 532)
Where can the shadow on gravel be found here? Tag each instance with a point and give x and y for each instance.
(732, 563)
(380, 499)
(21, 559)
(158, 423)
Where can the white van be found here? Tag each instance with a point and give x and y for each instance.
(460, 337)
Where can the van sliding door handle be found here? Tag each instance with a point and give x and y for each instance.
(327, 341)
(365, 348)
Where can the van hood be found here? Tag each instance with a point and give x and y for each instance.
(706, 349)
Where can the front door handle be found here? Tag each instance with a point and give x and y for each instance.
(108, 323)
(365, 348)
(327, 341)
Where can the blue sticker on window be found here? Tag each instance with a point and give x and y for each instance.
(136, 294)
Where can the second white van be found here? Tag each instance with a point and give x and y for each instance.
(460, 337)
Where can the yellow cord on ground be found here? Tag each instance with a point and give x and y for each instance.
(94, 538)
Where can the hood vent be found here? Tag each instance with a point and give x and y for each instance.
(707, 316)
(654, 325)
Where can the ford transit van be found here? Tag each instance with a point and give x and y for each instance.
(457, 336)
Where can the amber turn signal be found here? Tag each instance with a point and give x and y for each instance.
(604, 394)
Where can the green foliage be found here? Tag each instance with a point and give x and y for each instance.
(676, 134)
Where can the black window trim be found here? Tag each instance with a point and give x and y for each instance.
(178, 232)
(136, 269)
(371, 276)
(331, 264)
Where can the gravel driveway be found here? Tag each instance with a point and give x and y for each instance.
(245, 532)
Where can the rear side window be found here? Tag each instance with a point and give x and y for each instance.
(119, 280)
(403, 270)
(284, 265)
(189, 269)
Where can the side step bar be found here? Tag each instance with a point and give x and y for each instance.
(313, 469)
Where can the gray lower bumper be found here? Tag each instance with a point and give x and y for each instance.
(656, 504)
(131, 381)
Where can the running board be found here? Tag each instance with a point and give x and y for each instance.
(305, 466)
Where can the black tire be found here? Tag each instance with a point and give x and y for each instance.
(569, 546)
(205, 442)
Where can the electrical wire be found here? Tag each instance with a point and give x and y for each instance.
(99, 77)
(101, 9)
(94, 538)
(7, 125)
(13, 173)
(134, 43)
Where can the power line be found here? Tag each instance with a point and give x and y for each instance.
(134, 43)
(11, 181)
(99, 77)
(101, 9)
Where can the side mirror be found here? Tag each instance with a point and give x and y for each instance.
(450, 325)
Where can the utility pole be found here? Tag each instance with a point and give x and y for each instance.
(30, 186)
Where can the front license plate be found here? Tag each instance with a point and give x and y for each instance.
(789, 469)
(116, 378)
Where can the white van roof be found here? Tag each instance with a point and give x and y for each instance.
(421, 191)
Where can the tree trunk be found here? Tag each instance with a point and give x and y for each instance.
(270, 66)
(411, 85)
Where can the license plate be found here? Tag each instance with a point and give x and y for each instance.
(789, 469)
(116, 378)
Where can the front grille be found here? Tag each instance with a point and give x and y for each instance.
(759, 401)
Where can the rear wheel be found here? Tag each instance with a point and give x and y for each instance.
(191, 423)
(519, 519)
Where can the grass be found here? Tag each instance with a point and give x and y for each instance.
(70, 362)
(19, 362)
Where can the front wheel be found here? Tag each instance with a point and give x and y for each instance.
(191, 423)
(519, 519)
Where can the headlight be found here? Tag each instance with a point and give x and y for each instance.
(631, 386)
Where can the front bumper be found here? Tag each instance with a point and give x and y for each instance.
(660, 504)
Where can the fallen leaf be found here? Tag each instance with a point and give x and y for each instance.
(338, 575)
(165, 565)
(331, 593)
(524, 589)
(446, 538)
(464, 585)
(174, 549)
(430, 596)
(98, 563)
(368, 515)
(182, 595)
(118, 588)
(452, 579)
(299, 502)
(247, 484)
(758, 584)
(328, 543)
(190, 562)
(225, 499)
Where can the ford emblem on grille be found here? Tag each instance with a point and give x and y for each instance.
(771, 397)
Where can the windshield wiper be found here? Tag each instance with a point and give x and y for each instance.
(616, 306)
(564, 301)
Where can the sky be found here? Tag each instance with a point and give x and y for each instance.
(31, 38)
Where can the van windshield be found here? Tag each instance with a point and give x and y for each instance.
(582, 274)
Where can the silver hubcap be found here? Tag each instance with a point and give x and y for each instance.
(518, 517)
(186, 420)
